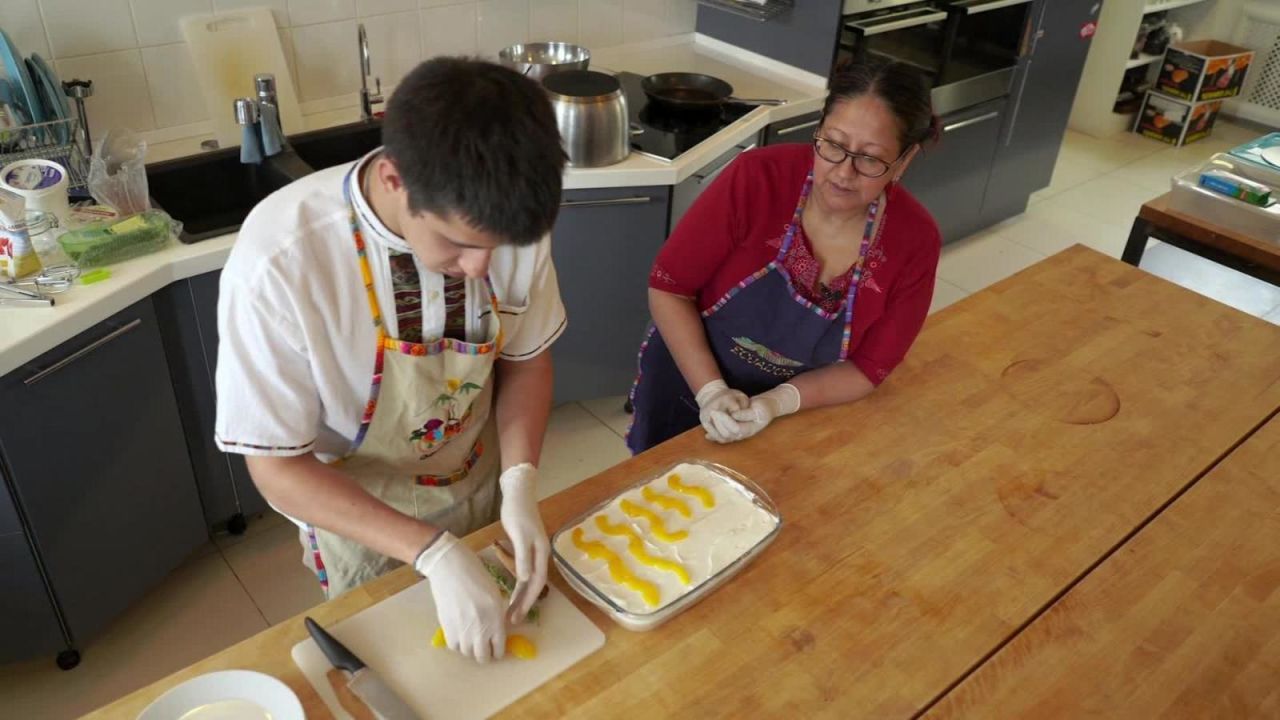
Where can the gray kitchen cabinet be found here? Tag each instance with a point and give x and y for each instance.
(798, 129)
(28, 623)
(603, 244)
(802, 36)
(1044, 89)
(98, 470)
(950, 177)
(27, 617)
(188, 314)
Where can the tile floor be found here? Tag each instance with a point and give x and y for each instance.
(237, 586)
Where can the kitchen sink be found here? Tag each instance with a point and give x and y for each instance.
(211, 193)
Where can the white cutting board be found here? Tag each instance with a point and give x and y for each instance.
(394, 638)
(227, 51)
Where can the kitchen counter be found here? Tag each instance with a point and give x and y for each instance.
(25, 333)
(1035, 427)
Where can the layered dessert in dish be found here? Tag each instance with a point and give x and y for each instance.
(658, 542)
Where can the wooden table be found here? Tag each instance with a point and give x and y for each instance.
(1250, 255)
(1180, 622)
(1033, 428)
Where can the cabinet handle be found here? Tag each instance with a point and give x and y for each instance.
(83, 351)
(711, 174)
(603, 203)
(798, 128)
(973, 7)
(972, 121)
(879, 26)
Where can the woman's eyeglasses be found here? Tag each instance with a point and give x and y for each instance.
(865, 165)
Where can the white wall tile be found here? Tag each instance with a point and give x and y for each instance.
(77, 27)
(501, 23)
(395, 47)
(311, 12)
(367, 8)
(21, 22)
(326, 60)
(120, 95)
(279, 8)
(449, 30)
(643, 19)
(553, 20)
(157, 20)
(175, 90)
(600, 23)
(441, 3)
(682, 17)
(286, 46)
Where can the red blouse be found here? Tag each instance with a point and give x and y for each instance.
(737, 225)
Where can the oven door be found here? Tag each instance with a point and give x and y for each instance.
(914, 34)
(985, 40)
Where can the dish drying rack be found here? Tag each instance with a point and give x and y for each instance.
(761, 12)
(61, 141)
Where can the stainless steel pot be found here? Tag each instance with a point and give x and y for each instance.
(538, 60)
(591, 112)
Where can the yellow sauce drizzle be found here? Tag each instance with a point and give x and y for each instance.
(617, 569)
(666, 502)
(517, 645)
(635, 546)
(659, 530)
(701, 493)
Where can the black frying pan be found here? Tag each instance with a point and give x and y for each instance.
(693, 91)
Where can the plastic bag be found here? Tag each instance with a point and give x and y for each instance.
(118, 172)
(113, 241)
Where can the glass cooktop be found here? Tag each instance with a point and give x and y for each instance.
(668, 133)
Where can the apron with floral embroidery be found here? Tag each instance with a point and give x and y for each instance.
(427, 444)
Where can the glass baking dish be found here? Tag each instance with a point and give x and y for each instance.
(640, 621)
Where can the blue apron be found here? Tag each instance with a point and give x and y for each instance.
(761, 333)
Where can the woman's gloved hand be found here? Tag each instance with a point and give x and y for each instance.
(528, 536)
(716, 404)
(468, 605)
(766, 407)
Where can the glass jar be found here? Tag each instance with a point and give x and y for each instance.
(18, 243)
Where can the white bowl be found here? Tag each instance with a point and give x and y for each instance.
(227, 695)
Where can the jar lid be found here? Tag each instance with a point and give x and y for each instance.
(34, 223)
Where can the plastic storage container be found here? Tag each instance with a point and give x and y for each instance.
(1259, 222)
(114, 241)
(640, 621)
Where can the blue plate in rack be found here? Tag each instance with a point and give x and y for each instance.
(53, 99)
(26, 94)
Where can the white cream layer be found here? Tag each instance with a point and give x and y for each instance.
(717, 537)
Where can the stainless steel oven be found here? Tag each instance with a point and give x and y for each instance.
(909, 31)
(969, 49)
(984, 41)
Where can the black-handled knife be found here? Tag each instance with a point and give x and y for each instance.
(364, 682)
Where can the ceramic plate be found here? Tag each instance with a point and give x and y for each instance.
(227, 695)
(52, 99)
(26, 94)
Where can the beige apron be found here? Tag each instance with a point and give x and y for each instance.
(427, 444)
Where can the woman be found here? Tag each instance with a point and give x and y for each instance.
(801, 277)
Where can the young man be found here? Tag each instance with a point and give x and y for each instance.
(384, 334)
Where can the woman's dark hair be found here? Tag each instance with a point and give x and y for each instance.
(479, 141)
(903, 88)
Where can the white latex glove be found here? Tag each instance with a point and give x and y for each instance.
(767, 407)
(468, 604)
(528, 535)
(716, 404)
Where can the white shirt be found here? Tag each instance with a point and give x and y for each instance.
(296, 339)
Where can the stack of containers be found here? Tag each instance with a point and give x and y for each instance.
(1195, 77)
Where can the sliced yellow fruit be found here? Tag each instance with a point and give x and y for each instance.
(521, 647)
(703, 494)
(655, 523)
(666, 502)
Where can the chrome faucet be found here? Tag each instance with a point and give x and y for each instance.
(261, 135)
(367, 99)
